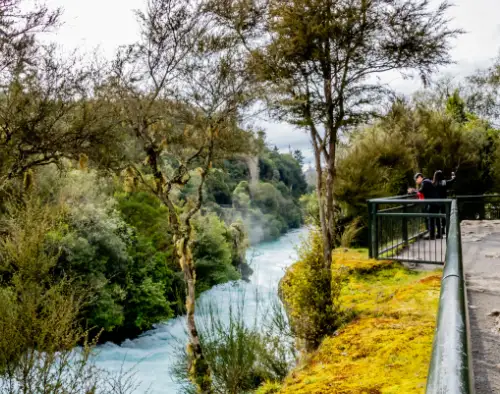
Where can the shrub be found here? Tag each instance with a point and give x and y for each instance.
(269, 388)
(39, 319)
(119, 250)
(310, 293)
(238, 241)
(212, 253)
(217, 188)
(148, 300)
(104, 310)
(310, 206)
(242, 355)
(350, 233)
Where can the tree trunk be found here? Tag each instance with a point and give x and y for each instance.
(198, 368)
(330, 140)
(322, 203)
(330, 218)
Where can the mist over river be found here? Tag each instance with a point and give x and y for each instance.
(152, 355)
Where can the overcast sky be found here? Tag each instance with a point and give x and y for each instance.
(108, 24)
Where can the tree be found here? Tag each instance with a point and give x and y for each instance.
(321, 63)
(18, 53)
(180, 95)
(455, 107)
(47, 113)
(50, 106)
(18, 27)
(297, 154)
(39, 325)
(483, 96)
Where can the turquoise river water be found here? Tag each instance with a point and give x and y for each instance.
(152, 355)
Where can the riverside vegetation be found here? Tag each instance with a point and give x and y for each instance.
(129, 187)
(116, 245)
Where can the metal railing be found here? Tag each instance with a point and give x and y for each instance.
(397, 223)
(450, 370)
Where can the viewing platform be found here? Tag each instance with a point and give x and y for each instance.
(466, 350)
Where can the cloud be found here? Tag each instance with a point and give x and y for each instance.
(111, 23)
(89, 24)
(471, 51)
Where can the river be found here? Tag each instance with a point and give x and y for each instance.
(152, 355)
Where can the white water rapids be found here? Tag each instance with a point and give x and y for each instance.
(152, 355)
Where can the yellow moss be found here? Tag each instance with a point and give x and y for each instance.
(371, 355)
(269, 388)
(357, 260)
(387, 348)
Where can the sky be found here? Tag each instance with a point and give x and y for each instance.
(107, 24)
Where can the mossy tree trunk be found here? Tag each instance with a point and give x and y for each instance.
(197, 365)
(198, 368)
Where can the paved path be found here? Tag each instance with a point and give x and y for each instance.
(481, 257)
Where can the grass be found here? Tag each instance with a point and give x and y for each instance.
(386, 349)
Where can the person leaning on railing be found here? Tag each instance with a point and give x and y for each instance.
(427, 189)
(442, 185)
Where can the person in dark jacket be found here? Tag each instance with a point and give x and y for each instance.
(425, 186)
(442, 185)
(427, 189)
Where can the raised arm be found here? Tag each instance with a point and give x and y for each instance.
(452, 180)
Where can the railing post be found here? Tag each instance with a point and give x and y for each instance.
(374, 230)
(448, 216)
(405, 225)
(370, 244)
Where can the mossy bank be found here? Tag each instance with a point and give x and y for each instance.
(386, 318)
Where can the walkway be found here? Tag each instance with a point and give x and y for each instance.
(481, 258)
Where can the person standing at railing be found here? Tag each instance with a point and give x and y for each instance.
(427, 189)
(442, 186)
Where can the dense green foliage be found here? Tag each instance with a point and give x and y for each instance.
(310, 293)
(118, 248)
(418, 136)
(39, 311)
